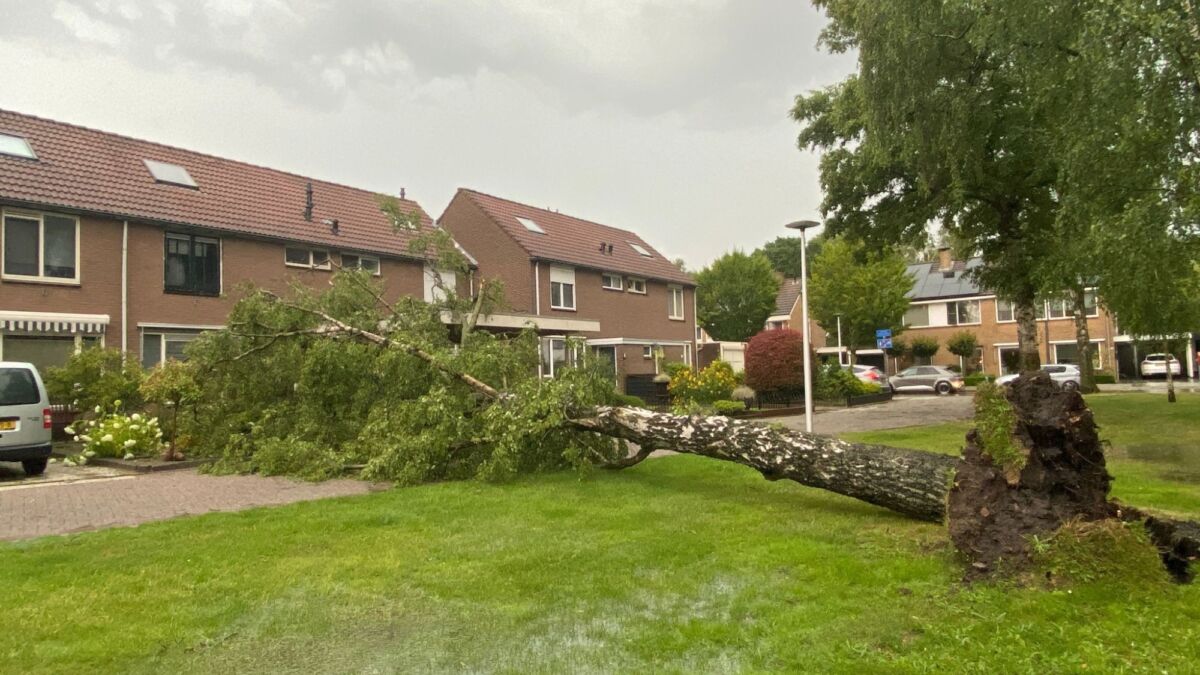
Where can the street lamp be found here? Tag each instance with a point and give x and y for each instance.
(804, 225)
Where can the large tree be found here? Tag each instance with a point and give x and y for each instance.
(784, 253)
(859, 290)
(735, 295)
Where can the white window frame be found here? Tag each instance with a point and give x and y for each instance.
(40, 277)
(378, 262)
(952, 308)
(563, 277)
(162, 335)
(675, 311)
(632, 284)
(606, 276)
(311, 252)
(22, 155)
(910, 307)
(78, 339)
(648, 352)
(1097, 350)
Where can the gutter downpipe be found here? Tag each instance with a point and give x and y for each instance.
(124, 287)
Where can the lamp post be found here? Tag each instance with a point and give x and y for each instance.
(804, 225)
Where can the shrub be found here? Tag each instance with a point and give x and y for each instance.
(835, 383)
(628, 400)
(899, 348)
(95, 377)
(673, 368)
(1105, 378)
(964, 345)
(775, 361)
(714, 383)
(118, 435)
(743, 393)
(729, 408)
(975, 379)
(169, 388)
(924, 347)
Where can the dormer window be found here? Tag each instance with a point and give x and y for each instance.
(16, 147)
(171, 174)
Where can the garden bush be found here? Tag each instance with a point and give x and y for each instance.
(975, 379)
(115, 434)
(835, 383)
(95, 377)
(729, 408)
(1105, 378)
(714, 383)
(923, 347)
(628, 400)
(169, 390)
(775, 361)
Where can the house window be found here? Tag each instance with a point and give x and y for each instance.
(1006, 311)
(556, 355)
(637, 285)
(562, 288)
(16, 147)
(648, 352)
(962, 312)
(192, 265)
(296, 256)
(439, 284)
(917, 316)
(1069, 353)
(158, 347)
(41, 247)
(612, 282)
(361, 262)
(675, 303)
(1063, 308)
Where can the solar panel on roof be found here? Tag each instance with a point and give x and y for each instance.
(16, 146)
(530, 225)
(641, 250)
(174, 174)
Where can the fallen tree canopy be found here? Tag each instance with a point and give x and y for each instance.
(311, 384)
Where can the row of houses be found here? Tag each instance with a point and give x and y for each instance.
(945, 299)
(114, 241)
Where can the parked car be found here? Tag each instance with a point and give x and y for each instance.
(1065, 375)
(1156, 365)
(24, 417)
(927, 378)
(869, 374)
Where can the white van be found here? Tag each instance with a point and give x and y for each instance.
(25, 423)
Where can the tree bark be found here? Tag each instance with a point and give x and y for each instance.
(1083, 342)
(1170, 378)
(1027, 338)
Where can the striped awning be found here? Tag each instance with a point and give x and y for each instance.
(52, 322)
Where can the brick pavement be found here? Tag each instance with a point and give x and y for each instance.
(38, 509)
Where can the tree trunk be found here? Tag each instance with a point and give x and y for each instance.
(1083, 342)
(852, 354)
(1170, 378)
(1027, 338)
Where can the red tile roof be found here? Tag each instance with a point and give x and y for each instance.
(94, 171)
(577, 241)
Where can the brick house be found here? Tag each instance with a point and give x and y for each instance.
(946, 300)
(135, 245)
(605, 285)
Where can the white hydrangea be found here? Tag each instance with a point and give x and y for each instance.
(70, 430)
(136, 417)
(130, 443)
(106, 438)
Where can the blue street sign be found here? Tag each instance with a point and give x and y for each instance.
(883, 338)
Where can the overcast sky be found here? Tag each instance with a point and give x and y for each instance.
(668, 117)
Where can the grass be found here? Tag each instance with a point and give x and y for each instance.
(682, 564)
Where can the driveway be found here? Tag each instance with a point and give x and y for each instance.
(75, 499)
(905, 410)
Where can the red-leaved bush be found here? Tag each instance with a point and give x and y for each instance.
(775, 361)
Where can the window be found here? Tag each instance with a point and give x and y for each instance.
(16, 147)
(1006, 311)
(192, 265)
(916, 316)
(648, 352)
(675, 303)
(41, 247)
(636, 285)
(172, 174)
(1063, 308)
(562, 288)
(361, 262)
(439, 284)
(557, 354)
(158, 347)
(612, 282)
(530, 225)
(641, 250)
(296, 256)
(17, 387)
(962, 312)
(1069, 353)
(1060, 308)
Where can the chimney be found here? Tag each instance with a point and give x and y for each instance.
(945, 260)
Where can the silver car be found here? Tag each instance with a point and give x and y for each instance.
(25, 421)
(1065, 375)
(927, 379)
(869, 375)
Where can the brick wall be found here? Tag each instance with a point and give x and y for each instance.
(499, 257)
(622, 313)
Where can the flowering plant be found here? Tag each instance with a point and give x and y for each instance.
(117, 435)
(714, 383)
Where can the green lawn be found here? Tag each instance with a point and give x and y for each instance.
(682, 564)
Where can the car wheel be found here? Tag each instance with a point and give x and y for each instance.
(1070, 385)
(943, 388)
(34, 467)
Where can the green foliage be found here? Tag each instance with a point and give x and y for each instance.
(899, 349)
(117, 435)
(862, 290)
(628, 400)
(169, 389)
(95, 377)
(996, 422)
(673, 368)
(835, 383)
(1105, 378)
(975, 379)
(963, 343)
(729, 408)
(784, 254)
(1106, 551)
(735, 296)
(924, 346)
(715, 382)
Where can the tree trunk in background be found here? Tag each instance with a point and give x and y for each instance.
(1170, 378)
(1083, 342)
(1027, 338)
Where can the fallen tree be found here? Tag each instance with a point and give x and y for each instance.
(1037, 465)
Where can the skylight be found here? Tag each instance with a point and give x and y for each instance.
(170, 173)
(641, 250)
(530, 225)
(15, 146)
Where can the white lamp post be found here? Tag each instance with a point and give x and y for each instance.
(804, 225)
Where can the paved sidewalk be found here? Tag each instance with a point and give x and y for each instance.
(905, 410)
(37, 509)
